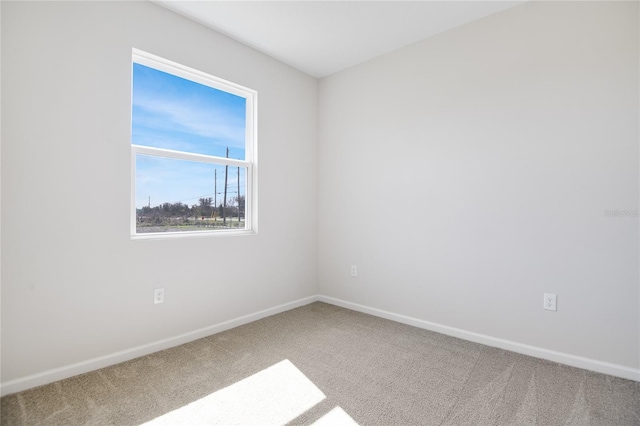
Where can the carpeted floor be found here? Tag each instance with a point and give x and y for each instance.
(329, 365)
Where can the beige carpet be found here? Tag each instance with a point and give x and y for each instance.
(327, 365)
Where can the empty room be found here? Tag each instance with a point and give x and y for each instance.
(320, 213)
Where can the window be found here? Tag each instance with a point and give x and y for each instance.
(193, 152)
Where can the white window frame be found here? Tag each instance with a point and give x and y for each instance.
(251, 148)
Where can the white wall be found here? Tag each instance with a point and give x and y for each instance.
(469, 173)
(74, 286)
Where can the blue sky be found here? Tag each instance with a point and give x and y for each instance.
(174, 113)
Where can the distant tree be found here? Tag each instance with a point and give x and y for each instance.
(206, 202)
(205, 206)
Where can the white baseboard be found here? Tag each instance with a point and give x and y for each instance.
(560, 357)
(53, 375)
(56, 374)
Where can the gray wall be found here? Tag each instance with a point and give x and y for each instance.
(74, 286)
(469, 173)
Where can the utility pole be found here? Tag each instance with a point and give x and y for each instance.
(224, 202)
(238, 196)
(215, 188)
(149, 201)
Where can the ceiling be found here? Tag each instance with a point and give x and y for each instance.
(324, 37)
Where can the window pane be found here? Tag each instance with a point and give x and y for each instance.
(184, 196)
(174, 113)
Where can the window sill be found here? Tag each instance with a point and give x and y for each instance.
(194, 234)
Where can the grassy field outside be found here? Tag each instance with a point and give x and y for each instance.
(188, 224)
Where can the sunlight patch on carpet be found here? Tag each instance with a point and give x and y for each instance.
(275, 395)
(335, 417)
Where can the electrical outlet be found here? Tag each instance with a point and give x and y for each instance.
(354, 271)
(550, 301)
(158, 296)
